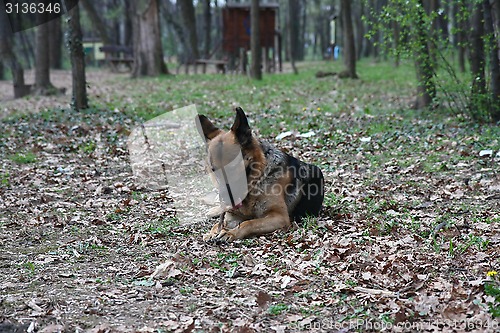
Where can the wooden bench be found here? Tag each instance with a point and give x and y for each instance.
(116, 55)
(220, 65)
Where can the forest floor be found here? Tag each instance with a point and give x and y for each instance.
(408, 233)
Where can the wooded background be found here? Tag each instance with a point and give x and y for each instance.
(453, 44)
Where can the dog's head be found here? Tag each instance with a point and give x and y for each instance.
(230, 156)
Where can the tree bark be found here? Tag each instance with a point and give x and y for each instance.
(189, 24)
(43, 86)
(349, 46)
(289, 33)
(294, 29)
(496, 19)
(477, 58)
(9, 59)
(77, 58)
(207, 13)
(256, 49)
(360, 30)
(148, 52)
(303, 30)
(55, 43)
(494, 61)
(100, 26)
(27, 48)
(434, 34)
(395, 31)
(461, 26)
(128, 33)
(426, 88)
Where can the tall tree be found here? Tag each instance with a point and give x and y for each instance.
(494, 61)
(207, 13)
(148, 52)
(77, 57)
(55, 43)
(460, 22)
(100, 26)
(9, 59)
(292, 5)
(256, 49)
(349, 46)
(477, 58)
(303, 30)
(294, 27)
(43, 86)
(189, 24)
(426, 88)
(128, 33)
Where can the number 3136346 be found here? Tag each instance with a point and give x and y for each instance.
(32, 8)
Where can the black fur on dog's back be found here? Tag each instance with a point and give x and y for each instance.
(309, 182)
(305, 192)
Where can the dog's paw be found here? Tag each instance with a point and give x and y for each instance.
(225, 236)
(208, 237)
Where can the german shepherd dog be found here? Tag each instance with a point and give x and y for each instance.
(277, 188)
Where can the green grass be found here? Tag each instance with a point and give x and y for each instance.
(23, 158)
(164, 227)
(492, 289)
(278, 309)
(4, 179)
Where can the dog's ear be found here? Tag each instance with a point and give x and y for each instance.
(241, 128)
(205, 127)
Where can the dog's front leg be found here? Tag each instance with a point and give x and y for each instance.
(228, 221)
(256, 227)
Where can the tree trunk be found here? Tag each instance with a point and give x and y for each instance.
(360, 31)
(43, 86)
(303, 30)
(55, 43)
(477, 59)
(128, 33)
(148, 52)
(496, 19)
(289, 37)
(189, 24)
(434, 34)
(395, 31)
(426, 89)
(458, 7)
(294, 27)
(2, 72)
(207, 13)
(494, 61)
(77, 57)
(9, 59)
(96, 19)
(369, 11)
(27, 48)
(256, 49)
(349, 46)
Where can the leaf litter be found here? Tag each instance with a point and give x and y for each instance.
(404, 238)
